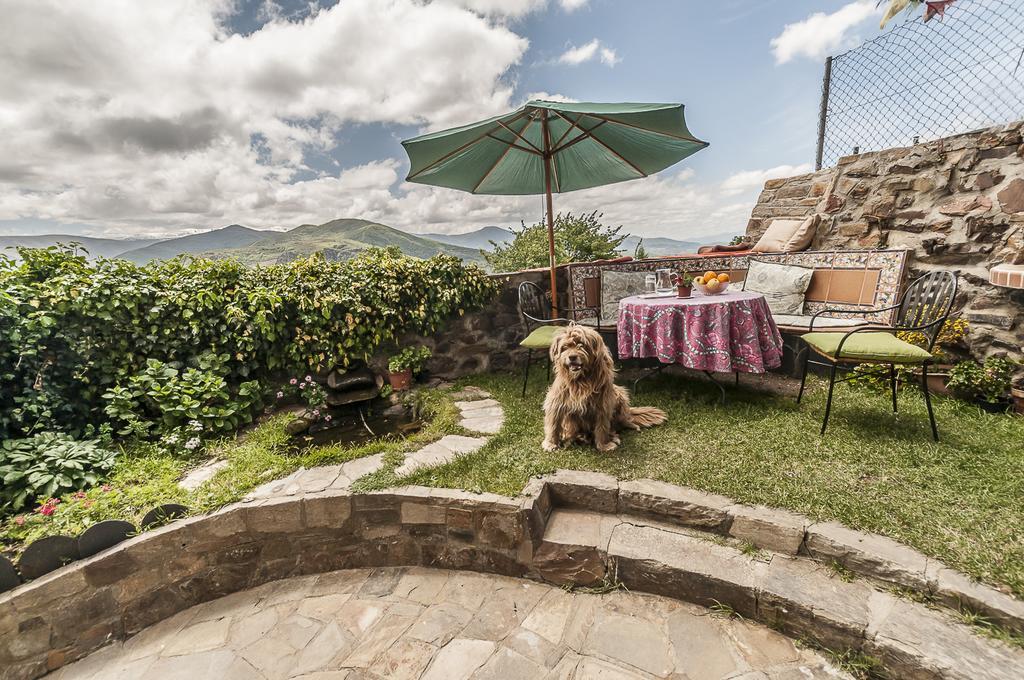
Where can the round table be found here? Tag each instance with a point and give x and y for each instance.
(728, 333)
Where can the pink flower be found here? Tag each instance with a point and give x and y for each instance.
(20, 520)
(327, 417)
(87, 503)
(79, 495)
(316, 413)
(49, 507)
(293, 381)
(106, 488)
(280, 394)
(302, 386)
(309, 378)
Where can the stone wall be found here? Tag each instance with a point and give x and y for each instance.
(487, 340)
(957, 203)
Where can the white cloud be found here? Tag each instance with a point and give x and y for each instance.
(501, 8)
(153, 117)
(755, 179)
(574, 56)
(572, 5)
(821, 34)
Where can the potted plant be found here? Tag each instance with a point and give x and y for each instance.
(684, 284)
(985, 384)
(404, 365)
(1017, 394)
(952, 333)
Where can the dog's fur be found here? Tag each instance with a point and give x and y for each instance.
(583, 403)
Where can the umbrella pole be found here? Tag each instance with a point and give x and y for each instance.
(551, 218)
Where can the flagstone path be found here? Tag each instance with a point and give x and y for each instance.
(479, 413)
(403, 624)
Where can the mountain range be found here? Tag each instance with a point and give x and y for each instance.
(337, 240)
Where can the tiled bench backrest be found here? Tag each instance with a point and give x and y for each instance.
(844, 278)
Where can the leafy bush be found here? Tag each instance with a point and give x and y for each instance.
(989, 382)
(190, 403)
(48, 465)
(412, 358)
(73, 330)
(577, 239)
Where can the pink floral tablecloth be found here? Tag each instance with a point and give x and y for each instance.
(722, 333)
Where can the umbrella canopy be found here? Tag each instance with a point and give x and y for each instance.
(550, 147)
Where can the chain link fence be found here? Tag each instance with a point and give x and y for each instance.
(921, 81)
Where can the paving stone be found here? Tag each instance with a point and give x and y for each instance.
(534, 647)
(380, 638)
(768, 528)
(551, 615)
(199, 637)
(466, 407)
(405, 660)
(462, 444)
(360, 615)
(317, 478)
(762, 646)
(249, 629)
(296, 630)
(380, 582)
(273, 657)
(487, 424)
(322, 608)
(631, 640)
(354, 469)
(702, 648)
(470, 393)
(592, 669)
(275, 487)
(588, 490)
(438, 625)
(957, 590)
(429, 456)
(421, 585)
(214, 664)
(459, 659)
(687, 507)
(507, 664)
(202, 474)
(868, 554)
(502, 611)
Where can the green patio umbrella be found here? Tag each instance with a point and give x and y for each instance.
(549, 147)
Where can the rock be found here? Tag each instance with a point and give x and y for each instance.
(352, 396)
(871, 555)
(342, 381)
(1011, 198)
(589, 490)
(961, 206)
(569, 564)
(299, 425)
(834, 203)
(686, 507)
(768, 528)
(1003, 321)
(205, 472)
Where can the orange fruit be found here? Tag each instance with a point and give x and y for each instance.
(708, 275)
(723, 278)
(713, 286)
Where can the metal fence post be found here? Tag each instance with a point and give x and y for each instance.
(823, 114)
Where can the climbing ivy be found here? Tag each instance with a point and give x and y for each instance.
(71, 329)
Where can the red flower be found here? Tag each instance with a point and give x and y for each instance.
(49, 507)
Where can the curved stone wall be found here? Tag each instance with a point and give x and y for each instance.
(66, 614)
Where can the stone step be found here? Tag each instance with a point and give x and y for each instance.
(797, 595)
(875, 557)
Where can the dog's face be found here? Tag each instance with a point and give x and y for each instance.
(576, 350)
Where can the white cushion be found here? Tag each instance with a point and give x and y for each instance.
(787, 236)
(782, 285)
(804, 321)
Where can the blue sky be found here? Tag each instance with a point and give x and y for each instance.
(176, 117)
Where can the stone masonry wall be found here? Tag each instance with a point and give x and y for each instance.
(957, 203)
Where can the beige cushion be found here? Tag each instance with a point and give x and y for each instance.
(782, 285)
(614, 287)
(787, 236)
(804, 322)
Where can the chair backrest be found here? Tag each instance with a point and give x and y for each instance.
(926, 304)
(533, 304)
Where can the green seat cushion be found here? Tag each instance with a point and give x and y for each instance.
(540, 338)
(884, 347)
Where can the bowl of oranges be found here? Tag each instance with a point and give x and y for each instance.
(712, 283)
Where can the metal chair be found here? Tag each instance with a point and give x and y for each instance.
(534, 306)
(924, 308)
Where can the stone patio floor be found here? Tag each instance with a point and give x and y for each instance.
(443, 625)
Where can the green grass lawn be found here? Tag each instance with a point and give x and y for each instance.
(960, 500)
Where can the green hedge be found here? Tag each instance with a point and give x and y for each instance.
(71, 329)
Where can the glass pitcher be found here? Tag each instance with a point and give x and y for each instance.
(664, 280)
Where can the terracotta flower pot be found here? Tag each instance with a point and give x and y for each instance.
(938, 376)
(684, 291)
(401, 380)
(1017, 394)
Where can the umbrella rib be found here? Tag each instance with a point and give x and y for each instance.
(605, 145)
(513, 145)
(465, 146)
(572, 124)
(586, 135)
(655, 132)
(521, 138)
(499, 160)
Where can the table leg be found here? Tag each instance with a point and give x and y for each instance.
(719, 385)
(647, 374)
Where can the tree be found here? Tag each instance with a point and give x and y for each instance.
(577, 239)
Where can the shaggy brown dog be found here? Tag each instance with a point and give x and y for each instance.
(583, 403)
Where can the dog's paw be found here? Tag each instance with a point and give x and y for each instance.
(549, 445)
(610, 445)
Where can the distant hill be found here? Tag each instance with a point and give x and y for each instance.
(339, 240)
(97, 247)
(479, 239)
(233, 236)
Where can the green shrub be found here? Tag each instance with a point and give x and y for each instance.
(989, 382)
(72, 330)
(48, 465)
(413, 358)
(578, 238)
